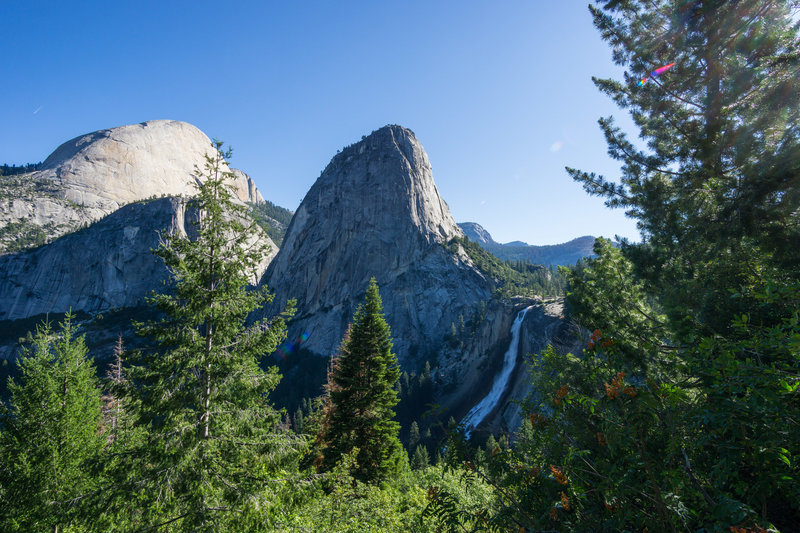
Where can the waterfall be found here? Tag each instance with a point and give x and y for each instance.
(489, 402)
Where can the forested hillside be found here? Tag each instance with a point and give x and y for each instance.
(564, 254)
(274, 219)
(513, 278)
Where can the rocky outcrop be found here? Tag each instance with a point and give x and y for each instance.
(468, 363)
(375, 211)
(106, 265)
(245, 188)
(95, 174)
(110, 168)
(477, 233)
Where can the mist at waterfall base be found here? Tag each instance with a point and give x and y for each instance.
(476, 415)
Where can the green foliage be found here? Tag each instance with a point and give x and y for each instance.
(511, 278)
(420, 459)
(213, 446)
(462, 498)
(12, 170)
(682, 420)
(712, 451)
(21, 235)
(50, 434)
(349, 505)
(604, 450)
(681, 414)
(359, 407)
(604, 293)
(716, 191)
(272, 218)
(413, 435)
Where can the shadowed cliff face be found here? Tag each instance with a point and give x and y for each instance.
(107, 265)
(375, 211)
(544, 326)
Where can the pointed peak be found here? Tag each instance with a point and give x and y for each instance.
(389, 138)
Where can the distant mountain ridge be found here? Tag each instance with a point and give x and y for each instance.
(564, 254)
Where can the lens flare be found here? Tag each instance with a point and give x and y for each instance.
(656, 73)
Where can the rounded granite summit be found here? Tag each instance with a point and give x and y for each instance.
(109, 168)
(93, 175)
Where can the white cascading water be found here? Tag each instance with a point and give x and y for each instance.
(489, 402)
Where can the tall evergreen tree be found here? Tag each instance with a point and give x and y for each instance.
(49, 433)
(684, 419)
(716, 190)
(413, 435)
(115, 379)
(359, 407)
(716, 193)
(213, 442)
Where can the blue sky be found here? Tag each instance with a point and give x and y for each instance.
(499, 93)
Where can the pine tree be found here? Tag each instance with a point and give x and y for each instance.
(298, 421)
(116, 379)
(420, 459)
(359, 408)
(715, 192)
(413, 435)
(213, 441)
(50, 433)
(717, 189)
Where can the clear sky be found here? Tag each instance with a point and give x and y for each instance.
(498, 92)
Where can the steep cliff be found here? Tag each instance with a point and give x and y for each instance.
(106, 265)
(375, 211)
(545, 325)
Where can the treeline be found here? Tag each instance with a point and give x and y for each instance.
(273, 219)
(513, 277)
(11, 170)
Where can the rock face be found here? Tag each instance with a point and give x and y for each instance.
(109, 168)
(104, 266)
(375, 211)
(93, 175)
(245, 188)
(96, 179)
(544, 325)
(468, 383)
(477, 233)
